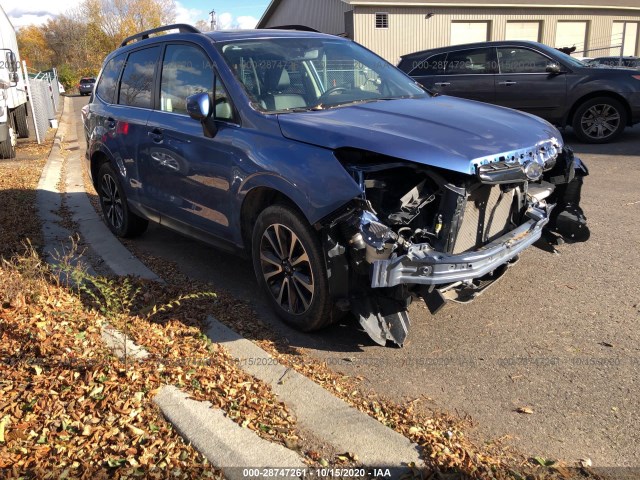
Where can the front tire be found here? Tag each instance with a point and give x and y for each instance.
(290, 268)
(115, 209)
(599, 120)
(7, 149)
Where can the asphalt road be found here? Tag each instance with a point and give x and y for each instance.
(558, 334)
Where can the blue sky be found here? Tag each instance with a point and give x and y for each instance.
(231, 13)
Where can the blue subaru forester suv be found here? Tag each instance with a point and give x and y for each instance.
(350, 186)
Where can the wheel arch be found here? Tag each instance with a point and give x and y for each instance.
(597, 94)
(255, 202)
(97, 160)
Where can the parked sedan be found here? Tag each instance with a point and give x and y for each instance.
(85, 87)
(598, 103)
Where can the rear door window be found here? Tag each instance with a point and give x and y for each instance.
(470, 62)
(106, 89)
(136, 85)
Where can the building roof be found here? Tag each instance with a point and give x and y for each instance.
(600, 4)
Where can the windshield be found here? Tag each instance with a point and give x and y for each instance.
(574, 62)
(293, 74)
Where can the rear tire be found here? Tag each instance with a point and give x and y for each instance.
(290, 268)
(599, 120)
(20, 120)
(115, 209)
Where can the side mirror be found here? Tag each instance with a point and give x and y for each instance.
(199, 107)
(554, 68)
(13, 77)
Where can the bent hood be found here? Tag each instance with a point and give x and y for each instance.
(446, 132)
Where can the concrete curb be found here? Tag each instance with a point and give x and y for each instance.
(48, 201)
(328, 417)
(120, 344)
(222, 441)
(93, 230)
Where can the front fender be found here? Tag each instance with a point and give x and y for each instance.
(310, 176)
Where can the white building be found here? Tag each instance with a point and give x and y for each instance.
(393, 28)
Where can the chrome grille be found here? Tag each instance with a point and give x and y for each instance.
(486, 217)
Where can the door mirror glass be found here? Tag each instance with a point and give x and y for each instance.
(199, 106)
(554, 68)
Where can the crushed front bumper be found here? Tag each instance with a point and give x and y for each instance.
(424, 266)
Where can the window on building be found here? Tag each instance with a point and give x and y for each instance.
(137, 79)
(382, 20)
(523, 31)
(469, 32)
(521, 60)
(572, 34)
(108, 83)
(626, 32)
(186, 70)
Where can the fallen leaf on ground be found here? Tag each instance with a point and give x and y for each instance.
(526, 410)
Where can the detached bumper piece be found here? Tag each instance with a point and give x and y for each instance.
(382, 320)
(424, 266)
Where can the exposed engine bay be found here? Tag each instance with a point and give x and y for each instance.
(424, 232)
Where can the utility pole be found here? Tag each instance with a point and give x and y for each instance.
(214, 20)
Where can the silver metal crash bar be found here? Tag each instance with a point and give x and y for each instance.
(425, 266)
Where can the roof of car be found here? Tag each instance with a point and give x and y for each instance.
(496, 43)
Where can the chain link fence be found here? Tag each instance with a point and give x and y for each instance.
(44, 96)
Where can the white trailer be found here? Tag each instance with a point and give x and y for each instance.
(13, 92)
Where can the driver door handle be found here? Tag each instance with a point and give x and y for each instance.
(442, 84)
(508, 83)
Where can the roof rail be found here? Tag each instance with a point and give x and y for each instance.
(181, 27)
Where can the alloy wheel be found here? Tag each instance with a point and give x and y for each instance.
(112, 202)
(600, 121)
(286, 269)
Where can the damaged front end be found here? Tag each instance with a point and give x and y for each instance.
(422, 231)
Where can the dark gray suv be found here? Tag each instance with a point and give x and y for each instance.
(534, 78)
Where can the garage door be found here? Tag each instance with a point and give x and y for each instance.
(523, 31)
(571, 34)
(469, 32)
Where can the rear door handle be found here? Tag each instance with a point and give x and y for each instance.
(156, 135)
(508, 83)
(442, 84)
